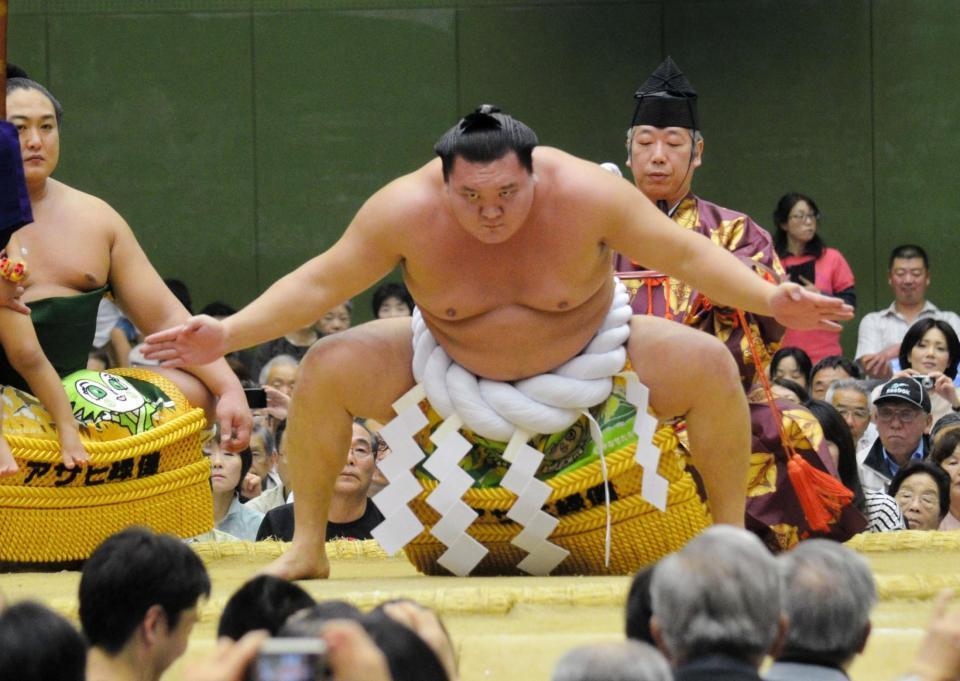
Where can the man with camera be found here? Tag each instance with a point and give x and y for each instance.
(903, 417)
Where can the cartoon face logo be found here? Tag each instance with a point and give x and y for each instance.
(100, 398)
(110, 392)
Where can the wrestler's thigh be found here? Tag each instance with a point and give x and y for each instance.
(680, 365)
(362, 370)
(193, 389)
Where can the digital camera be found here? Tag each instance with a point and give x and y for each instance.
(290, 659)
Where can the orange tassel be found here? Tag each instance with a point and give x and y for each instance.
(821, 495)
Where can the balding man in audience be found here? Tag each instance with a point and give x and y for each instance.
(851, 397)
(716, 606)
(828, 593)
(612, 661)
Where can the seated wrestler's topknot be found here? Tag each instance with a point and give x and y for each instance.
(484, 136)
(17, 79)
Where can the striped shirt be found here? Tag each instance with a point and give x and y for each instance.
(883, 512)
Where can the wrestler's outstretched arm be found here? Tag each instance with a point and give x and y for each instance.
(146, 300)
(635, 227)
(327, 393)
(365, 253)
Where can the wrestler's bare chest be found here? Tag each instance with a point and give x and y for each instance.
(516, 308)
(544, 267)
(67, 253)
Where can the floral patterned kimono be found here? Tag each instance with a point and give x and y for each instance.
(773, 509)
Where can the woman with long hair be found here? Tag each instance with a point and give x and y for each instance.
(929, 352)
(793, 364)
(813, 265)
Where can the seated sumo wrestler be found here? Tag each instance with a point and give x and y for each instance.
(18, 337)
(77, 232)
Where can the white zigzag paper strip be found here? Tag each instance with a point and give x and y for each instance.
(400, 525)
(463, 551)
(526, 510)
(654, 487)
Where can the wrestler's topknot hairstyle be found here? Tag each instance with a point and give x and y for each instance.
(485, 136)
(17, 79)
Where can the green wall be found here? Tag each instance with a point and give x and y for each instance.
(239, 137)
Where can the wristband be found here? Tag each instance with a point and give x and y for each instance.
(14, 272)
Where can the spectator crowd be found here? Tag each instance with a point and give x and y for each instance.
(722, 607)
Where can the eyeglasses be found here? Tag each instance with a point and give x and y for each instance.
(361, 451)
(857, 413)
(803, 217)
(927, 499)
(906, 416)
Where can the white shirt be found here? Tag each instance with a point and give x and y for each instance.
(269, 500)
(879, 330)
(866, 440)
(108, 316)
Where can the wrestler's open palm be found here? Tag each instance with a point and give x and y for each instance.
(200, 340)
(797, 308)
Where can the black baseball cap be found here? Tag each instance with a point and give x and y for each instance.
(905, 389)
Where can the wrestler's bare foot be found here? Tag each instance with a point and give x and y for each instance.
(300, 562)
(8, 465)
(72, 451)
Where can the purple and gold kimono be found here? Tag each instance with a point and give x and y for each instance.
(773, 510)
(671, 298)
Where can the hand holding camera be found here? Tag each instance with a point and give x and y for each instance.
(230, 660)
(344, 652)
(291, 659)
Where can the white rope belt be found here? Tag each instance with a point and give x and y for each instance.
(512, 413)
(548, 403)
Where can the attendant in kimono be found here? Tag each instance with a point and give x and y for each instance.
(665, 147)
